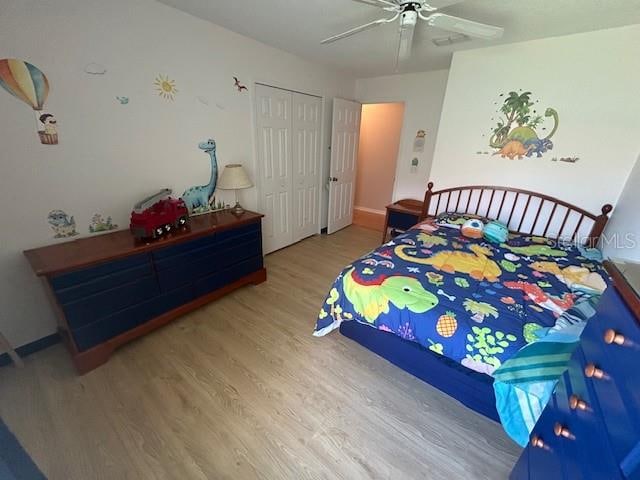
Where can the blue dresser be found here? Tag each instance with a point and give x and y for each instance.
(109, 289)
(591, 427)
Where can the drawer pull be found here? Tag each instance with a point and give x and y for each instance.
(591, 371)
(576, 403)
(562, 431)
(611, 337)
(537, 442)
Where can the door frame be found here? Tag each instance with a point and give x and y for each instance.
(255, 135)
(402, 132)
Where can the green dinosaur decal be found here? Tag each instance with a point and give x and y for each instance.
(461, 282)
(531, 250)
(372, 299)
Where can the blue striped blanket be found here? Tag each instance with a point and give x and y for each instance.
(524, 383)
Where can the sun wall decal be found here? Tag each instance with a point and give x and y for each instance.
(165, 87)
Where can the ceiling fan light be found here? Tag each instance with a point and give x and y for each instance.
(450, 40)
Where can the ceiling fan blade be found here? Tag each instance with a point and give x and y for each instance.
(467, 27)
(378, 3)
(359, 29)
(405, 44)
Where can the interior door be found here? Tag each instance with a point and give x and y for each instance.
(274, 124)
(344, 154)
(306, 152)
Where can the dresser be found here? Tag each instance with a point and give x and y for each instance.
(591, 427)
(401, 216)
(110, 289)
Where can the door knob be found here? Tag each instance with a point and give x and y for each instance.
(333, 179)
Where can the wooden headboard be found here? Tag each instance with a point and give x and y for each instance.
(525, 212)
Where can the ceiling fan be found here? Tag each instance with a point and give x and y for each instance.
(409, 11)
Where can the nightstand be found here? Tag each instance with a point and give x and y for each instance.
(401, 216)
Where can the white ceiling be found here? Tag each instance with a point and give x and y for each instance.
(298, 26)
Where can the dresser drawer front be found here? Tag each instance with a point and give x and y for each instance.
(616, 403)
(545, 463)
(204, 242)
(402, 221)
(101, 305)
(106, 282)
(185, 273)
(71, 279)
(589, 439)
(229, 275)
(125, 320)
(196, 254)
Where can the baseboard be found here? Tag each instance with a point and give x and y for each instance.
(369, 218)
(30, 348)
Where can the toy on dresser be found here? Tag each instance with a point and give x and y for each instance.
(158, 215)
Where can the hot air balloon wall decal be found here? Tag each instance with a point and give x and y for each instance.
(27, 83)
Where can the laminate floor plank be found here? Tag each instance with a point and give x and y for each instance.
(240, 389)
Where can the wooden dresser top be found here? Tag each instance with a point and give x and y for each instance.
(626, 279)
(84, 252)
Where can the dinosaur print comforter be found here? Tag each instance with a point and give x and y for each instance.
(472, 301)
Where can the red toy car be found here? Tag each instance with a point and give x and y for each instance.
(158, 215)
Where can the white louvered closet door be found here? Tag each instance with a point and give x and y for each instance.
(306, 155)
(288, 154)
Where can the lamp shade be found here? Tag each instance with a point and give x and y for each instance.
(234, 177)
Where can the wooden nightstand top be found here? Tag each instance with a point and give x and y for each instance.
(407, 205)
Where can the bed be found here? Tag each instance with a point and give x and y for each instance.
(449, 309)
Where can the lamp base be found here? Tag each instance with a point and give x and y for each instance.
(237, 209)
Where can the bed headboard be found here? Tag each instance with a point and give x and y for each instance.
(525, 212)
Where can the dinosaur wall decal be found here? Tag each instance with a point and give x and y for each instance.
(198, 198)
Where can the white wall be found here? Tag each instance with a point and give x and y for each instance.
(591, 79)
(423, 94)
(622, 236)
(112, 155)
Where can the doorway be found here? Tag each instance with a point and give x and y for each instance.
(379, 144)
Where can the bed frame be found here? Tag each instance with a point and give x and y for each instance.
(526, 212)
(523, 211)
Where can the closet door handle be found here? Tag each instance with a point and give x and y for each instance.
(333, 179)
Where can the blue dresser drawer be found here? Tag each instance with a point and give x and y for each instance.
(127, 319)
(204, 242)
(586, 437)
(402, 221)
(184, 273)
(105, 282)
(545, 460)
(94, 307)
(619, 406)
(229, 275)
(77, 277)
(196, 254)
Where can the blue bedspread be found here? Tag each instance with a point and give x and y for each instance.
(472, 301)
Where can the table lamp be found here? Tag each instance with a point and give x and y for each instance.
(234, 177)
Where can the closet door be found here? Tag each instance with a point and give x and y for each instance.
(306, 152)
(274, 128)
